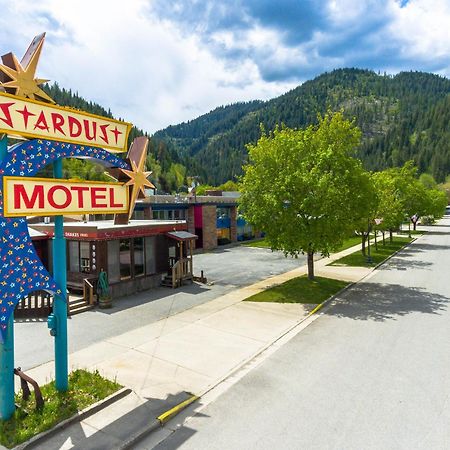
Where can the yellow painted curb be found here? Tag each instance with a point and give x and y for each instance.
(316, 308)
(165, 417)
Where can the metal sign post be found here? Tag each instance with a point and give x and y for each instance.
(7, 405)
(59, 301)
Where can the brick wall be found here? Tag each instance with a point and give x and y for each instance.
(190, 219)
(148, 213)
(209, 214)
(233, 224)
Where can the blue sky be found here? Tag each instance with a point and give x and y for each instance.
(161, 62)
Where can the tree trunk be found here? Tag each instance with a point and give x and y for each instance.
(376, 243)
(384, 242)
(390, 236)
(414, 225)
(310, 265)
(363, 244)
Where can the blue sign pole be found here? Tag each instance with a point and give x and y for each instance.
(7, 405)
(59, 303)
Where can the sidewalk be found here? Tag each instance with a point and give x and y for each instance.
(188, 352)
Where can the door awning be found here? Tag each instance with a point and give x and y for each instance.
(181, 235)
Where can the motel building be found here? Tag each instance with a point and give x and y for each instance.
(141, 254)
(214, 218)
(137, 255)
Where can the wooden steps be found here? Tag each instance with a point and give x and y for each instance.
(78, 305)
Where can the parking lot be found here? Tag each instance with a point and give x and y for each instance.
(225, 269)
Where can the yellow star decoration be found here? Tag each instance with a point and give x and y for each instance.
(138, 179)
(19, 77)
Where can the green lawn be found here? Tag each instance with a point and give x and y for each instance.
(260, 243)
(413, 232)
(300, 290)
(85, 389)
(356, 259)
(350, 242)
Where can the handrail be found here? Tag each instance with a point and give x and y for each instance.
(24, 380)
(175, 269)
(89, 287)
(179, 270)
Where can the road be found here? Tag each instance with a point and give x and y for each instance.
(225, 269)
(372, 372)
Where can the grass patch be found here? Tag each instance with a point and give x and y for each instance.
(85, 389)
(260, 243)
(300, 290)
(413, 232)
(357, 259)
(350, 242)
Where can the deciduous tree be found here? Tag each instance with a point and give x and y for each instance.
(303, 187)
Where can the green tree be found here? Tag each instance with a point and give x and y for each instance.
(390, 207)
(428, 181)
(437, 202)
(303, 187)
(364, 222)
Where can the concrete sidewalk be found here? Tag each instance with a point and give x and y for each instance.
(188, 352)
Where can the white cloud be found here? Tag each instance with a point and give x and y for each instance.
(145, 70)
(423, 28)
(155, 72)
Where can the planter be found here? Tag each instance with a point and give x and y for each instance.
(105, 302)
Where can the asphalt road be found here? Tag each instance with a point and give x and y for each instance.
(372, 372)
(226, 269)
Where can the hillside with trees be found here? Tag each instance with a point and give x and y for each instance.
(402, 117)
(168, 167)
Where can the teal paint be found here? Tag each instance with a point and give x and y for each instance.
(60, 302)
(7, 405)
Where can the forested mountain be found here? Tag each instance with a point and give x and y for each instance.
(169, 171)
(402, 117)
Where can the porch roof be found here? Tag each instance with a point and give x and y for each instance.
(181, 235)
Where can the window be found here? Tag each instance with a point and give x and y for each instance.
(150, 265)
(85, 257)
(113, 261)
(74, 256)
(223, 213)
(79, 256)
(138, 214)
(125, 258)
(138, 252)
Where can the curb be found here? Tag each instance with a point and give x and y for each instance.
(159, 422)
(87, 412)
(395, 253)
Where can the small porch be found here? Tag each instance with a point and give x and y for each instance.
(181, 270)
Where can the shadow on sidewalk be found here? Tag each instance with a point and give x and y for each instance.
(99, 433)
(149, 296)
(379, 302)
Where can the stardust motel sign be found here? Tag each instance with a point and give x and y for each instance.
(46, 197)
(34, 119)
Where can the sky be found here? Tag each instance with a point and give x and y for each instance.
(160, 62)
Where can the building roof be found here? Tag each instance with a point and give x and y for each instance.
(35, 234)
(181, 235)
(183, 201)
(106, 229)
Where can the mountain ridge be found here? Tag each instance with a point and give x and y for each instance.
(393, 111)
